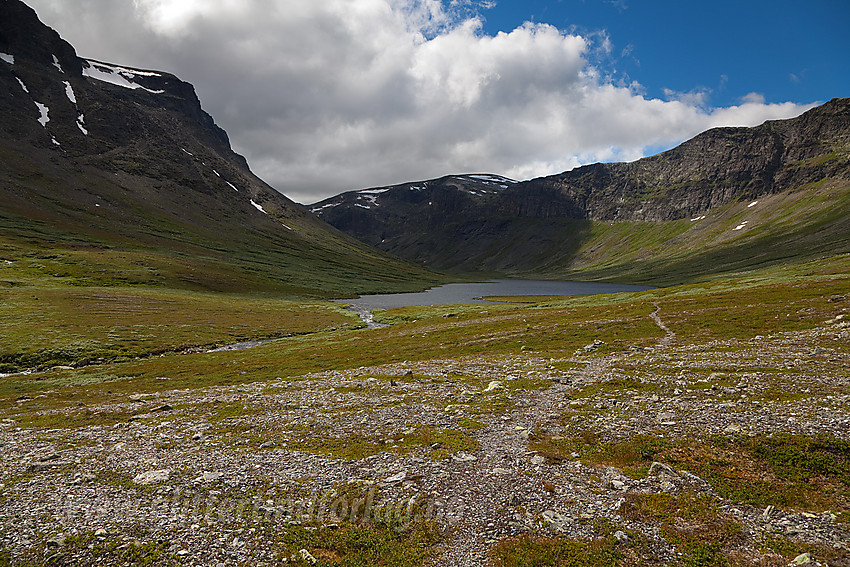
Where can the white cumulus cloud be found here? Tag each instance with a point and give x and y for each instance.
(333, 95)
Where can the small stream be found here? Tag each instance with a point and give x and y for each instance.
(366, 316)
(241, 346)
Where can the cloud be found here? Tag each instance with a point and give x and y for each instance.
(699, 97)
(323, 97)
(753, 98)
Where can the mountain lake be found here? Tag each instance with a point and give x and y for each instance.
(471, 293)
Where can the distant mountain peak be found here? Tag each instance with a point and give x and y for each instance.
(475, 185)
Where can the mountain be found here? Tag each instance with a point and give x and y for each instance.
(728, 199)
(114, 175)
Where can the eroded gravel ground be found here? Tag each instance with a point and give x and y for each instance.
(217, 470)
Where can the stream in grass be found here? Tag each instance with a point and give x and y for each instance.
(241, 346)
(472, 293)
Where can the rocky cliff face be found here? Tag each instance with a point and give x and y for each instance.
(385, 214)
(717, 167)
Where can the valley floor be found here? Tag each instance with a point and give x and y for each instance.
(673, 448)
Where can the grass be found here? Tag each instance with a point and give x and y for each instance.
(692, 522)
(791, 227)
(444, 442)
(380, 543)
(767, 302)
(86, 548)
(535, 551)
(800, 224)
(46, 327)
(170, 224)
(350, 447)
(633, 456)
(789, 550)
(787, 471)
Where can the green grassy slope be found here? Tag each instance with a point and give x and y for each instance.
(134, 277)
(795, 226)
(150, 192)
(799, 225)
(109, 228)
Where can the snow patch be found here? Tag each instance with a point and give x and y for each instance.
(753, 204)
(10, 59)
(258, 207)
(233, 187)
(217, 174)
(57, 65)
(373, 191)
(499, 179)
(44, 118)
(190, 153)
(367, 207)
(23, 86)
(740, 226)
(69, 91)
(52, 139)
(115, 75)
(81, 124)
(698, 218)
(317, 209)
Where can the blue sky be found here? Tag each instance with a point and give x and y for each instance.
(326, 96)
(783, 50)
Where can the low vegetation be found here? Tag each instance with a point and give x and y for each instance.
(783, 470)
(538, 551)
(308, 393)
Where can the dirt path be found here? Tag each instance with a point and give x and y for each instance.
(669, 336)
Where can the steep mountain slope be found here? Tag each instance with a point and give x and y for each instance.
(661, 219)
(116, 175)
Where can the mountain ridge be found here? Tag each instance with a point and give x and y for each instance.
(547, 226)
